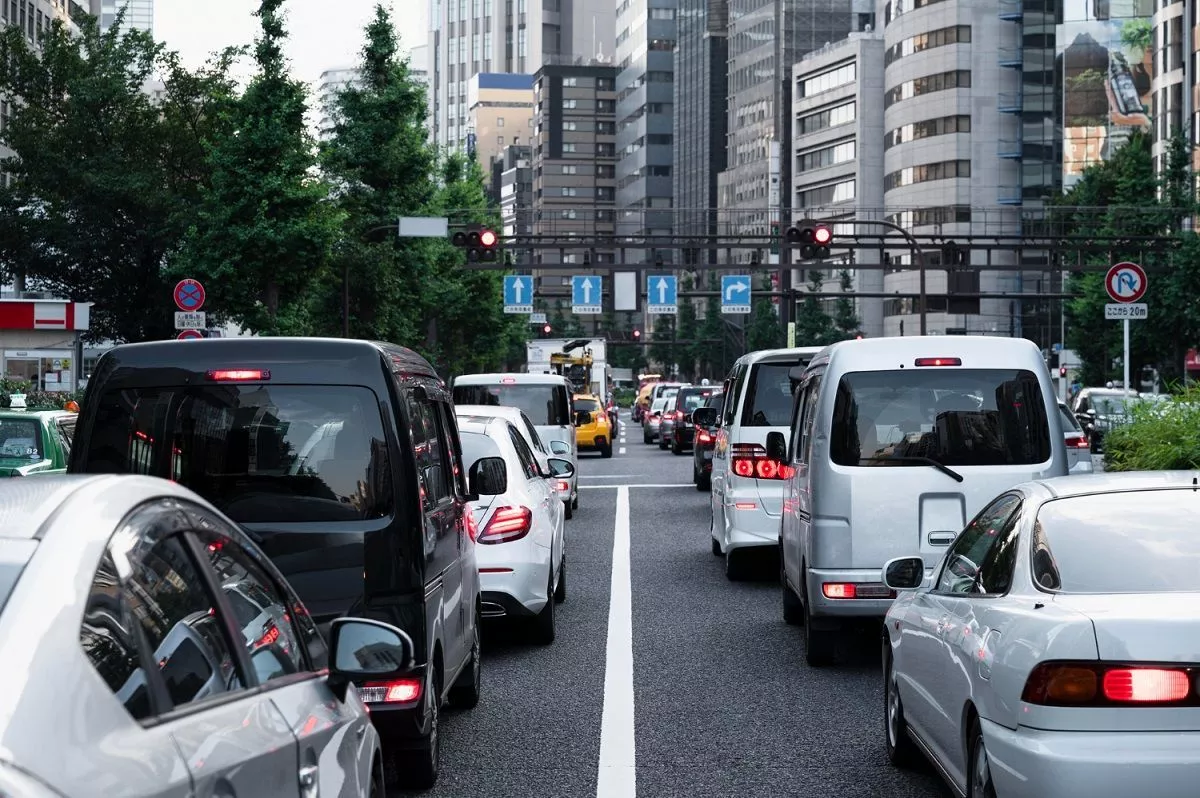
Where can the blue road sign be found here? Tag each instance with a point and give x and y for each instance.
(586, 293)
(662, 293)
(518, 293)
(735, 293)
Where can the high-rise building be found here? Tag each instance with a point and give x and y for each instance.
(330, 83)
(646, 32)
(469, 37)
(836, 157)
(500, 108)
(139, 14)
(512, 190)
(701, 102)
(1174, 87)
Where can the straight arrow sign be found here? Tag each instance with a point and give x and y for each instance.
(662, 290)
(519, 290)
(587, 292)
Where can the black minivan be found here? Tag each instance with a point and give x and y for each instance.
(342, 459)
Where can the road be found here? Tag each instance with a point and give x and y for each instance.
(720, 702)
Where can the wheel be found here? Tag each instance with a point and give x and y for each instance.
(901, 750)
(820, 645)
(606, 450)
(793, 610)
(980, 783)
(418, 769)
(569, 508)
(662, 444)
(575, 502)
(560, 592)
(676, 449)
(695, 475)
(378, 788)
(735, 565)
(705, 482)
(464, 694)
(543, 622)
(647, 438)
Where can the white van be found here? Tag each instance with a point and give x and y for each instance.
(747, 490)
(893, 439)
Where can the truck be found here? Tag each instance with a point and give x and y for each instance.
(581, 360)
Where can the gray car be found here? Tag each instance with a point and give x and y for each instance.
(118, 619)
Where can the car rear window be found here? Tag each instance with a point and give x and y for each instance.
(958, 417)
(769, 395)
(260, 453)
(545, 404)
(586, 406)
(1129, 542)
(476, 446)
(1069, 423)
(688, 400)
(20, 440)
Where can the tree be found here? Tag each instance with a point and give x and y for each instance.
(712, 352)
(688, 333)
(382, 167)
(764, 329)
(661, 348)
(105, 178)
(265, 226)
(844, 318)
(813, 325)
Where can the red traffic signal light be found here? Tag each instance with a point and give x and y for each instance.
(637, 334)
(1062, 371)
(480, 243)
(487, 238)
(822, 234)
(546, 329)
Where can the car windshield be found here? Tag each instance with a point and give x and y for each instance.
(769, 398)
(957, 417)
(1119, 405)
(689, 400)
(1129, 542)
(586, 406)
(545, 404)
(476, 446)
(260, 453)
(20, 441)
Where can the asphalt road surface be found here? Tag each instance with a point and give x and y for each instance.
(666, 678)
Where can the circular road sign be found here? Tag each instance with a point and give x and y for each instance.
(189, 334)
(189, 295)
(1126, 282)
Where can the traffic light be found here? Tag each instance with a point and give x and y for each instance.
(481, 244)
(813, 239)
(1062, 371)
(546, 330)
(637, 335)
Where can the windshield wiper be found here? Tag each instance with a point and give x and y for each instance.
(929, 461)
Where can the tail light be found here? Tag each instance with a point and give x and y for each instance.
(1093, 684)
(857, 590)
(472, 525)
(703, 436)
(238, 375)
(938, 361)
(750, 461)
(270, 636)
(507, 524)
(562, 486)
(1077, 442)
(679, 415)
(397, 691)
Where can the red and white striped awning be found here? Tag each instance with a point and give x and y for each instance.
(44, 314)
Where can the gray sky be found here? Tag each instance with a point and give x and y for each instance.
(322, 33)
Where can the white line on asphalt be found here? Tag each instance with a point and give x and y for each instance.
(621, 450)
(617, 777)
(609, 476)
(635, 485)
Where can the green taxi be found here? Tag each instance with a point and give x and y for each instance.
(35, 441)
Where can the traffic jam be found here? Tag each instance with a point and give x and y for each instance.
(279, 566)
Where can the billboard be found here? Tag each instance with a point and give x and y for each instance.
(1104, 60)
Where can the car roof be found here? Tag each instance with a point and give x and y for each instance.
(490, 411)
(780, 354)
(10, 413)
(976, 351)
(1114, 482)
(478, 424)
(498, 378)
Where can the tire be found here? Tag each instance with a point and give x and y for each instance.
(543, 624)
(793, 610)
(560, 592)
(569, 508)
(820, 645)
(378, 786)
(979, 778)
(465, 692)
(606, 451)
(735, 566)
(575, 502)
(901, 750)
(695, 475)
(647, 439)
(662, 443)
(676, 449)
(705, 483)
(418, 769)
(716, 547)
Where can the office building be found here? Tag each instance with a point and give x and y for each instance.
(331, 82)
(500, 109)
(418, 63)
(701, 102)
(1175, 90)
(139, 14)
(512, 190)
(837, 161)
(469, 37)
(574, 161)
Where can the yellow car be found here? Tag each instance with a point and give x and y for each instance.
(592, 430)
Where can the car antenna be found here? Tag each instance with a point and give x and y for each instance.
(1194, 484)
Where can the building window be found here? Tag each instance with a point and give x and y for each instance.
(570, 191)
(827, 156)
(662, 13)
(499, 121)
(957, 79)
(897, 8)
(955, 34)
(830, 117)
(925, 173)
(843, 191)
(570, 104)
(570, 126)
(500, 141)
(928, 217)
(570, 169)
(941, 126)
(568, 146)
(826, 81)
(570, 82)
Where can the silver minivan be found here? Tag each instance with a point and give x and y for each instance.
(896, 438)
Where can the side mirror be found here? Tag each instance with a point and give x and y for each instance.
(1091, 411)
(904, 573)
(366, 649)
(582, 418)
(488, 476)
(776, 446)
(561, 468)
(705, 417)
(560, 447)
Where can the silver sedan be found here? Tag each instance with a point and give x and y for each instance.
(150, 649)
(1053, 650)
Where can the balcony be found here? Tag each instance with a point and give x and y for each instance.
(1010, 149)
(1009, 102)
(1012, 10)
(1009, 195)
(1011, 57)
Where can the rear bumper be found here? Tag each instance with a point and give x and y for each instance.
(819, 605)
(501, 605)
(598, 441)
(685, 436)
(1031, 763)
(747, 524)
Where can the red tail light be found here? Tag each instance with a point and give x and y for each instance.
(397, 691)
(238, 375)
(269, 636)
(562, 486)
(472, 525)
(703, 437)
(750, 461)
(1078, 442)
(938, 361)
(507, 524)
(1084, 684)
(679, 415)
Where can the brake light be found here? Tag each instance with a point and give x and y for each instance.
(269, 636)
(507, 524)
(1078, 442)
(398, 691)
(838, 590)
(1058, 684)
(472, 525)
(679, 415)
(703, 437)
(750, 461)
(562, 486)
(508, 380)
(938, 361)
(238, 375)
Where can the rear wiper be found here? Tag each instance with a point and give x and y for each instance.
(929, 461)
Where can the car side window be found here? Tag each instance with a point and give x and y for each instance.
(808, 420)
(997, 569)
(795, 428)
(453, 448)
(533, 434)
(428, 450)
(64, 428)
(737, 381)
(528, 462)
(109, 641)
(960, 569)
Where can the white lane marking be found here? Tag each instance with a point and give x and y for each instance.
(621, 450)
(637, 485)
(617, 777)
(610, 476)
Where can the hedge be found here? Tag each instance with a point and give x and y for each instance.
(1158, 436)
(36, 400)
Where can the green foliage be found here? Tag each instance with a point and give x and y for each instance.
(105, 178)
(844, 318)
(661, 350)
(687, 332)
(35, 399)
(1138, 36)
(764, 329)
(714, 355)
(264, 229)
(1158, 436)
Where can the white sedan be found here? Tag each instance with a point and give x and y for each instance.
(1055, 650)
(519, 517)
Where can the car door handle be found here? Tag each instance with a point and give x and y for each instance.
(309, 786)
(940, 538)
(943, 625)
(361, 732)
